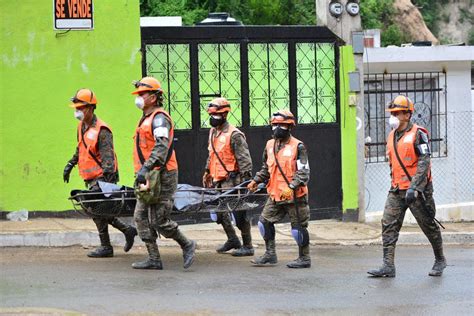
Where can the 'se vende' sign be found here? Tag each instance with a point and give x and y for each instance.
(73, 14)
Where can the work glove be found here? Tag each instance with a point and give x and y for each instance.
(207, 180)
(287, 194)
(67, 172)
(252, 186)
(141, 175)
(411, 196)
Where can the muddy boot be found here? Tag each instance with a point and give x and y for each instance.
(129, 231)
(232, 242)
(189, 248)
(303, 261)
(440, 262)
(247, 248)
(388, 267)
(153, 261)
(269, 256)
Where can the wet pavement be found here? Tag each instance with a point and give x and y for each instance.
(55, 280)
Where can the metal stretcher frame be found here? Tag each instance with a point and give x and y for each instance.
(122, 203)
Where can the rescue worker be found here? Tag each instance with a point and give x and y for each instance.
(153, 150)
(228, 165)
(408, 152)
(286, 168)
(97, 161)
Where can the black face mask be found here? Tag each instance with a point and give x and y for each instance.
(281, 133)
(216, 122)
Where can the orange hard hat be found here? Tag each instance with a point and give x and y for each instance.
(401, 103)
(147, 84)
(283, 117)
(218, 106)
(83, 97)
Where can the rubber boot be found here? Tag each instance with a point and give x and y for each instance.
(153, 261)
(189, 248)
(232, 242)
(247, 248)
(440, 262)
(303, 261)
(105, 249)
(129, 231)
(269, 256)
(388, 267)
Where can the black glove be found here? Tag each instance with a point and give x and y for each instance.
(67, 172)
(411, 196)
(141, 175)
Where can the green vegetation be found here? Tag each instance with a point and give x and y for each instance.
(471, 37)
(431, 12)
(378, 14)
(250, 12)
(374, 13)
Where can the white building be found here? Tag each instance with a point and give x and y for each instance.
(438, 79)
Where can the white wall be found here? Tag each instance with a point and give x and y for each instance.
(453, 176)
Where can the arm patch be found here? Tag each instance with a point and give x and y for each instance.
(161, 132)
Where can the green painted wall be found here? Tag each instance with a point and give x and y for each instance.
(40, 70)
(348, 133)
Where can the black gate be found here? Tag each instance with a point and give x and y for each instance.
(259, 70)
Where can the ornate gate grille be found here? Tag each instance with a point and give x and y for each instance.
(428, 92)
(259, 70)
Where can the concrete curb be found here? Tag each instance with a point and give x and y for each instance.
(84, 238)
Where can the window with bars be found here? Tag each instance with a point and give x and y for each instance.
(268, 81)
(219, 76)
(169, 63)
(316, 83)
(427, 90)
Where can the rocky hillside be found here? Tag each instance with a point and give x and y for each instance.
(451, 20)
(410, 21)
(456, 22)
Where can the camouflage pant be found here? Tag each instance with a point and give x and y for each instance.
(152, 219)
(394, 213)
(274, 212)
(103, 222)
(224, 218)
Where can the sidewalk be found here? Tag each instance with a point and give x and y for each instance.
(54, 232)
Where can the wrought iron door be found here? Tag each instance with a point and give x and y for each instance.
(259, 70)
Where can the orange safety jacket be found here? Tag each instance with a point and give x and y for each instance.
(287, 157)
(89, 163)
(146, 141)
(223, 148)
(408, 156)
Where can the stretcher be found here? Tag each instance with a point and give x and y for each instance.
(111, 200)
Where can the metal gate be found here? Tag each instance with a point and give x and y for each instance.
(259, 70)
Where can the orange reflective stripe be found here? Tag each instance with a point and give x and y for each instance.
(287, 157)
(406, 151)
(147, 141)
(222, 145)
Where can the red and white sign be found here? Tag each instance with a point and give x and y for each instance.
(73, 14)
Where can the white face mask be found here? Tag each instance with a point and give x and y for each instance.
(394, 122)
(79, 115)
(140, 102)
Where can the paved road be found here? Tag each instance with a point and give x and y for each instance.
(43, 279)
